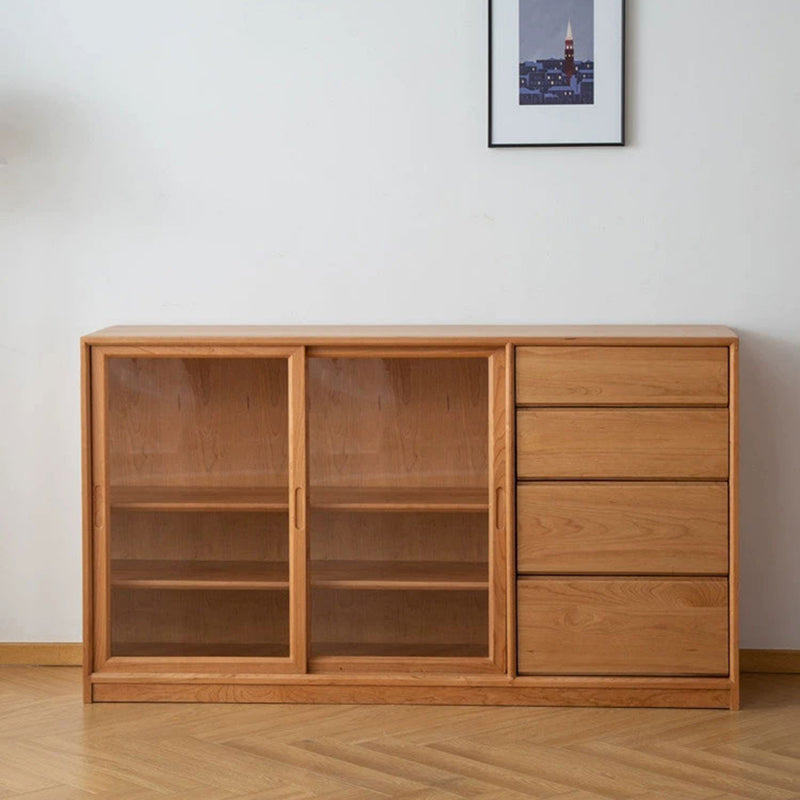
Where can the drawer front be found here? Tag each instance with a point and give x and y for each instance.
(622, 443)
(599, 626)
(625, 528)
(597, 376)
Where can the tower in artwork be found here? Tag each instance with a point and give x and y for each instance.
(569, 53)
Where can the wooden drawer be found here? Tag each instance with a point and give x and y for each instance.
(597, 376)
(623, 527)
(622, 443)
(604, 626)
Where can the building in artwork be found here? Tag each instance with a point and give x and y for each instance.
(569, 53)
(557, 81)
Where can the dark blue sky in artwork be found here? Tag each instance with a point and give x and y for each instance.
(543, 28)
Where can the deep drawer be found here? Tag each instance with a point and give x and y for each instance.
(603, 626)
(622, 443)
(597, 376)
(623, 527)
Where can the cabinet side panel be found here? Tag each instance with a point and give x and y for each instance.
(733, 521)
(99, 503)
(86, 476)
(511, 509)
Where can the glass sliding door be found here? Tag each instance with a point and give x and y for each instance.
(402, 510)
(198, 525)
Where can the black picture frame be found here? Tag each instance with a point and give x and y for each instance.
(618, 140)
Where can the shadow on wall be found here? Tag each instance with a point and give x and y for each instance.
(24, 128)
(76, 161)
(770, 490)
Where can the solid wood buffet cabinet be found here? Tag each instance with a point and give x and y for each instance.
(483, 515)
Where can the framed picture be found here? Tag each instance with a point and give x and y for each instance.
(556, 72)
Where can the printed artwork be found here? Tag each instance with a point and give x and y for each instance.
(556, 52)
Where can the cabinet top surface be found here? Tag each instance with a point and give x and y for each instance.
(411, 334)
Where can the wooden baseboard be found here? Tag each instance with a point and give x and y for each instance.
(786, 661)
(42, 654)
(70, 654)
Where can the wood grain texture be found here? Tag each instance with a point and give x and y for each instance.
(400, 498)
(198, 422)
(192, 574)
(120, 669)
(200, 498)
(298, 511)
(622, 443)
(599, 626)
(733, 514)
(100, 513)
(187, 536)
(770, 661)
(68, 654)
(418, 423)
(450, 576)
(511, 506)
(381, 620)
(186, 621)
(405, 433)
(415, 536)
(401, 335)
(55, 750)
(400, 515)
(623, 527)
(416, 695)
(499, 519)
(622, 376)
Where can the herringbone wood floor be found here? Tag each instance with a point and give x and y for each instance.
(54, 748)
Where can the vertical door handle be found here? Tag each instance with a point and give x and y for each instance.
(97, 506)
(298, 508)
(499, 504)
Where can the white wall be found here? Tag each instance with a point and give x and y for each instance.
(325, 161)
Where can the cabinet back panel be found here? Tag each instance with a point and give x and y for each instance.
(163, 620)
(401, 618)
(198, 421)
(216, 536)
(398, 421)
(394, 536)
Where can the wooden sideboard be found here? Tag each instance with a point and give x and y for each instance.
(477, 515)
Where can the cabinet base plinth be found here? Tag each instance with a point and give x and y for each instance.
(606, 696)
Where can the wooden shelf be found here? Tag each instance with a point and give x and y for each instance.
(326, 650)
(225, 575)
(400, 575)
(232, 498)
(232, 575)
(400, 499)
(199, 498)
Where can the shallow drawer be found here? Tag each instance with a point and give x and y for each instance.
(597, 376)
(630, 528)
(598, 626)
(622, 443)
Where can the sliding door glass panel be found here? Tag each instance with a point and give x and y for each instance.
(198, 497)
(399, 506)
